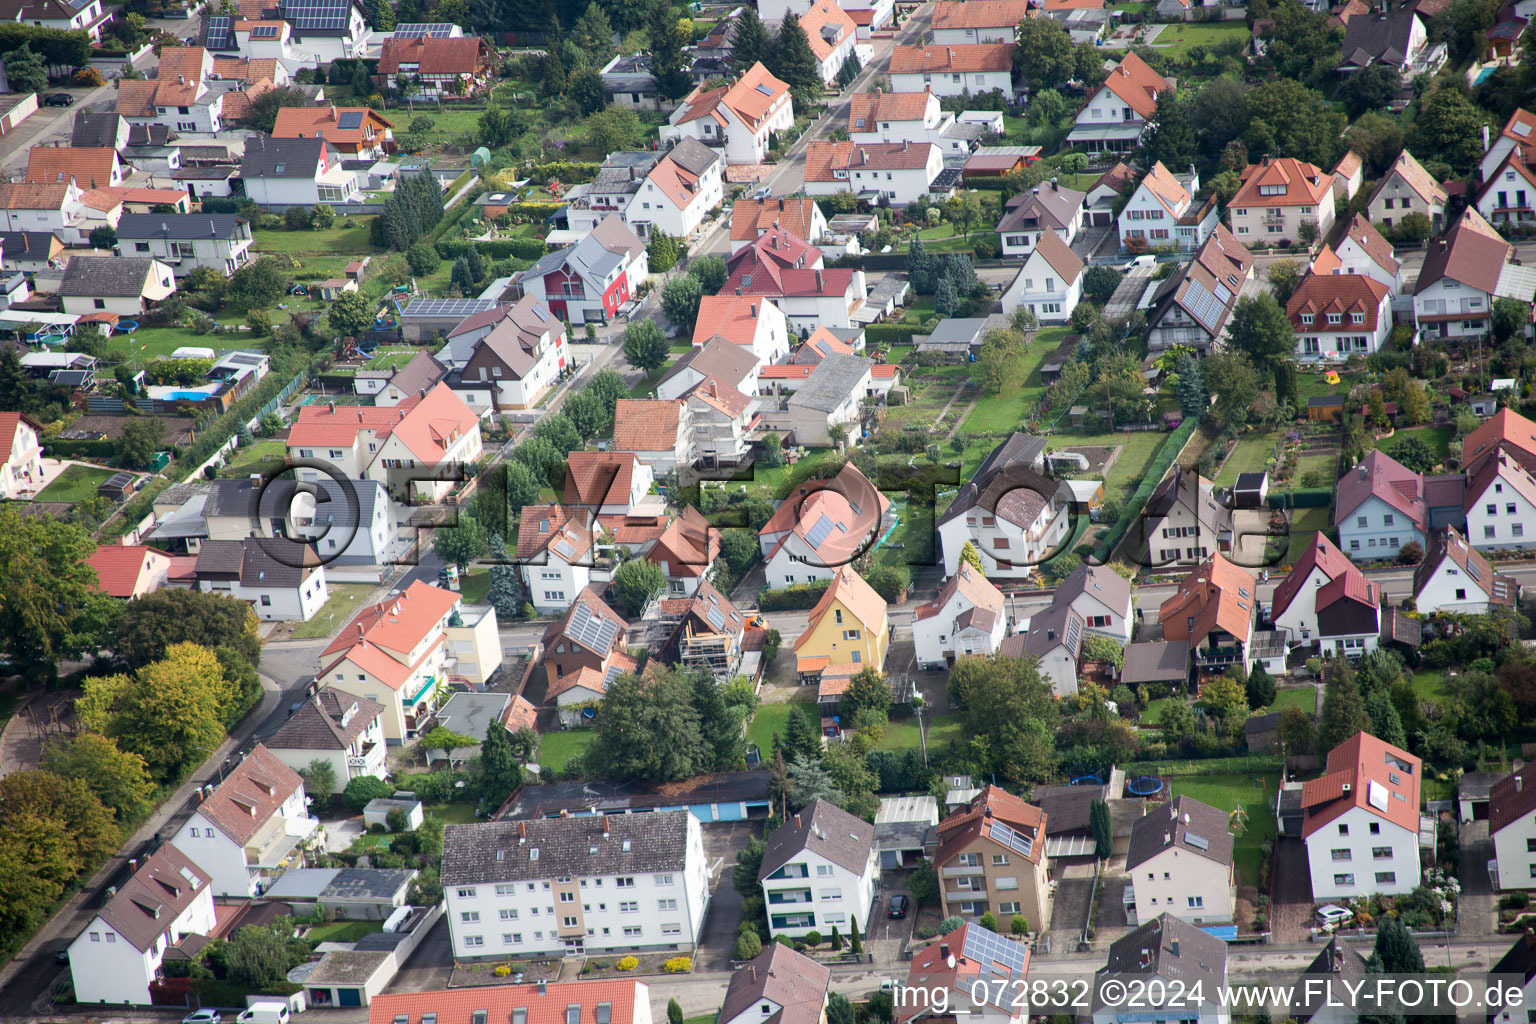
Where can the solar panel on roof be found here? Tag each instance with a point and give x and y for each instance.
(716, 618)
(1198, 842)
(565, 549)
(317, 15)
(819, 532)
(417, 29)
(265, 31)
(349, 120)
(1074, 630)
(1011, 839)
(218, 32)
(992, 952)
(448, 307)
(590, 630)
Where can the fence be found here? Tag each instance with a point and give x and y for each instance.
(1154, 475)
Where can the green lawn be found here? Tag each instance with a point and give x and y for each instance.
(1137, 451)
(1325, 465)
(255, 458)
(76, 483)
(392, 358)
(147, 343)
(346, 235)
(1304, 697)
(1255, 793)
(940, 729)
(1251, 455)
(473, 586)
(1437, 438)
(1176, 40)
(1429, 684)
(343, 931)
(338, 610)
(768, 720)
(451, 814)
(557, 749)
(779, 481)
(1005, 413)
(1153, 714)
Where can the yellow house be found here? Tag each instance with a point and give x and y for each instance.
(849, 629)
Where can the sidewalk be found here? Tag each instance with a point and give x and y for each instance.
(35, 960)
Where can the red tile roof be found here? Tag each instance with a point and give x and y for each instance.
(1506, 430)
(962, 14)
(1381, 476)
(1472, 253)
(544, 1004)
(1322, 554)
(119, 567)
(465, 55)
(969, 57)
(1218, 595)
(1346, 295)
(1415, 177)
(433, 424)
(1301, 184)
(751, 217)
(326, 425)
(1360, 773)
(932, 983)
(324, 122)
(1376, 247)
(822, 20)
(250, 794)
(734, 317)
(381, 637)
(1134, 82)
(544, 525)
(646, 426)
(823, 159)
(9, 422)
(599, 478)
(48, 165)
(848, 589)
(867, 109)
(1512, 798)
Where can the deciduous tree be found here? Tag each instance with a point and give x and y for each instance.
(119, 780)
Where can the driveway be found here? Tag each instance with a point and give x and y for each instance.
(1069, 911)
(1290, 909)
(430, 967)
(721, 841)
(1478, 915)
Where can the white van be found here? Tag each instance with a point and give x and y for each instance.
(264, 1013)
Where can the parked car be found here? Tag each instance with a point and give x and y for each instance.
(763, 193)
(59, 99)
(204, 1016)
(898, 905)
(1331, 915)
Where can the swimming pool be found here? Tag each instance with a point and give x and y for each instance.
(185, 396)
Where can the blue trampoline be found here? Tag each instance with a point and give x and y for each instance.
(1087, 780)
(127, 326)
(1147, 785)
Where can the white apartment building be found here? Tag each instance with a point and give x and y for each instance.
(1180, 863)
(1500, 503)
(1512, 826)
(590, 883)
(186, 241)
(967, 618)
(251, 829)
(1360, 821)
(115, 958)
(819, 871)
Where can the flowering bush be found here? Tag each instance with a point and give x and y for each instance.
(502, 970)
(678, 965)
(629, 963)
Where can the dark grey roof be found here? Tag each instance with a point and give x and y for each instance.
(343, 506)
(148, 135)
(1379, 37)
(251, 562)
(422, 371)
(1155, 662)
(1261, 723)
(719, 358)
(281, 158)
(473, 714)
(1334, 960)
(693, 156)
(318, 725)
(95, 129)
(624, 171)
(1250, 482)
(1520, 960)
(1099, 582)
(1059, 625)
(367, 883)
(1201, 958)
(833, 380)
(598, 797)
(179, 226)
(1185, 824)
(26, 244)
(1066, 807)
(106, 277)
(1010, 465)
(796, 984)
(825, 830)
(511, 851)
(154, 896)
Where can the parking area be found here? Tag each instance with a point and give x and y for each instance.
(721, 841)
(1290, 910)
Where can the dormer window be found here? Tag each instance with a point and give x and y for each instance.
(1271, 190)
(1306, 318)
(1357, 318)
(1335, 318)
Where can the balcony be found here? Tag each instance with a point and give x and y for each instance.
(952, 896)
(962, 869)
(365, 758)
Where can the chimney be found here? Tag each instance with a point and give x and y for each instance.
(522, 833)
(332, 407)
(753, 309)
(1055, 185)
(944, 950)
(1146, 958)
(797, 821)
(605, 826)
(1519, 782)
(543, 987)
(1485, 138)
(818, 281)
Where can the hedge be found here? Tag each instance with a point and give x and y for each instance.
(795, 597)
(137, 508)
(567, 172)
(1302, 497)
(539, 211)
(225, 426)
(499, 249)
(992, 184)
(890, 334)
(103, 450)
(1154, 476)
